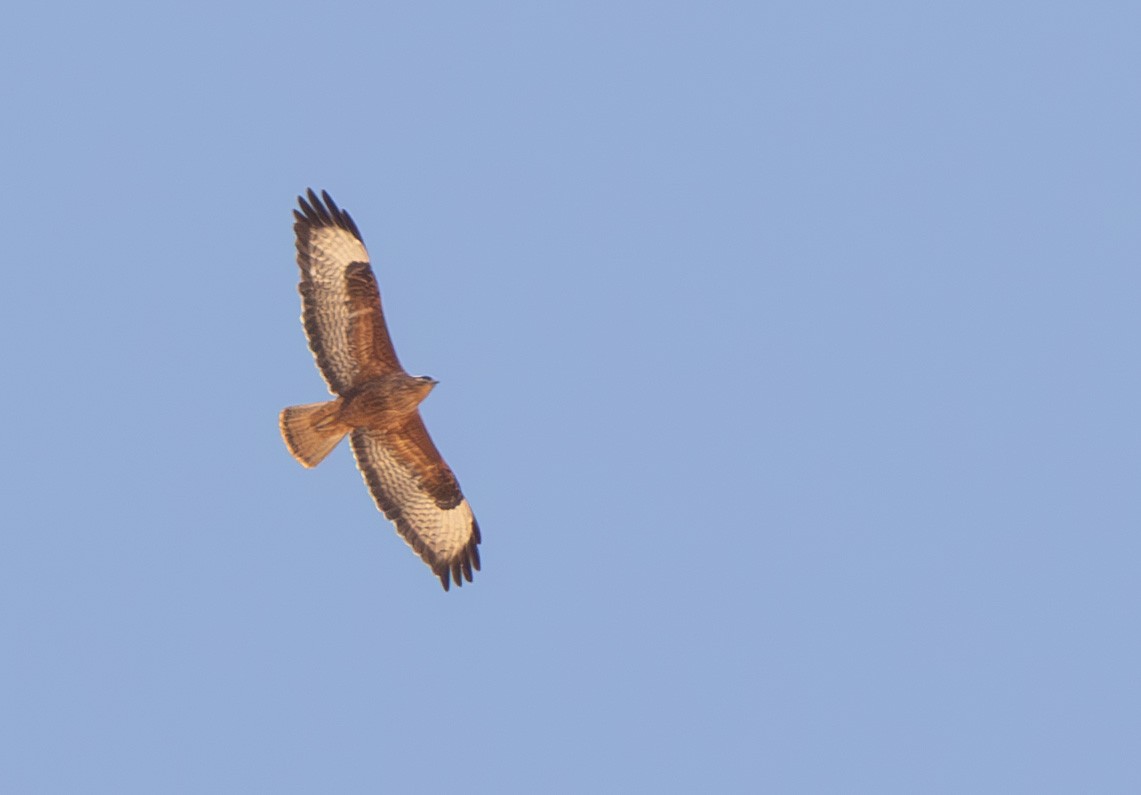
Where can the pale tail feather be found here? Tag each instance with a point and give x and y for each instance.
(312, 431)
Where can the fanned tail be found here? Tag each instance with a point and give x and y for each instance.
(312, 431)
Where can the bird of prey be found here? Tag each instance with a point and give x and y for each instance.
(376, 401)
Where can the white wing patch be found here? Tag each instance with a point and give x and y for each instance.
(333, 249)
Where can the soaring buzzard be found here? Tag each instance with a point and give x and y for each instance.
(376, 403)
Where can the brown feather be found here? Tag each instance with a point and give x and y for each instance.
(369, 341)
(416, 450)
(312, 431)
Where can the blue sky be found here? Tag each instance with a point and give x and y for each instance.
(788, 357)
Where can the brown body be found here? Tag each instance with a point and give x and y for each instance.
(384, 401)
(377, 401)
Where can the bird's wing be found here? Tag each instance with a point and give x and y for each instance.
(340, 303)
(415, 488)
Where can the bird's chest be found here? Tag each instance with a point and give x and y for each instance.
(376, 404)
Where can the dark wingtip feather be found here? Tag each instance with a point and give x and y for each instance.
(320, 211)
(460, 569)
(314, 202)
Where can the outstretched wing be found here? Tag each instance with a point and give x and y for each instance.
(340, 303)
(416, 489)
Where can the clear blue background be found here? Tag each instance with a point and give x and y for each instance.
(788, 355)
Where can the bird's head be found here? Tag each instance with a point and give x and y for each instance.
(405, 392)
(422, 385)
